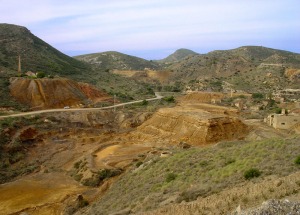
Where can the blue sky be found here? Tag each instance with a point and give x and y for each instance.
(153, 29)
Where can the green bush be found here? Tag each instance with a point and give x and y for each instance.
(257, 96)
(297, 160)
(107, 173)
(252, 173)
(78, 177)
(139, 163)
(77, 164)
(91, 182)
(144, 102)
(169, 99)
(40, 75)
(170, 177)
(277, 110)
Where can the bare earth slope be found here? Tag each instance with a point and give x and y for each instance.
(190, 124)
(53, 93)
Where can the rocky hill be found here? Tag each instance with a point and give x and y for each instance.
(36, 55)
(54, 93)
(178, 55)
(117, 61)
(205, 180)
(249, 68)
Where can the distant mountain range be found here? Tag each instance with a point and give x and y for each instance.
(248, 68)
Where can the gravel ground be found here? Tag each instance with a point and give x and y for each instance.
(273, 207)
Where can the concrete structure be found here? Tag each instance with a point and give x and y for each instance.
(283, 121)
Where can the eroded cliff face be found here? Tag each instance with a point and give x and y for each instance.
(54, 93)
(189, 124)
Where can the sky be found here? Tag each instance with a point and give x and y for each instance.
(153, 29)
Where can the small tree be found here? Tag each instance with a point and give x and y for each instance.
(169, 99)
(144, 102)
(170, 177)
(40, 75)
(297, 160)
(257, 96)
(252, 173)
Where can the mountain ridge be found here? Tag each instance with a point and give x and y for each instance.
(38, 56)
(117, 60)
(178, 55)
(246, 68)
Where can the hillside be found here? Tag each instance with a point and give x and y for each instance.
(179, 159)
(210, 178)
(54, 93)
(117, 61)
(249, 68)
(178, 55)
(36, 55)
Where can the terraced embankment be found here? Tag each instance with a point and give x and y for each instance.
(191, 124)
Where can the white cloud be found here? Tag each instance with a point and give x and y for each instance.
(91, 25)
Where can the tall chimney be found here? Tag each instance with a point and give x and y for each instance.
(19, 65)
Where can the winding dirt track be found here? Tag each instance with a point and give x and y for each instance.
(158, 96)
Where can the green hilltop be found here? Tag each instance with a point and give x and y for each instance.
(178, 55)
(113, 60)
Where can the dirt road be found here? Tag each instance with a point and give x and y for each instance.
(158, 96)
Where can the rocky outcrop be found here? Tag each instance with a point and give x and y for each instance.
(203, 97)
(273, 207)
(189, 124)
(292, 74)
(28, 133)
(54, 93)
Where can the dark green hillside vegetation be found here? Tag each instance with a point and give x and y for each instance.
(178, 55)
(195, 172)
(117, 61)
(13, 150)
(36, 55)
(7, 101)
